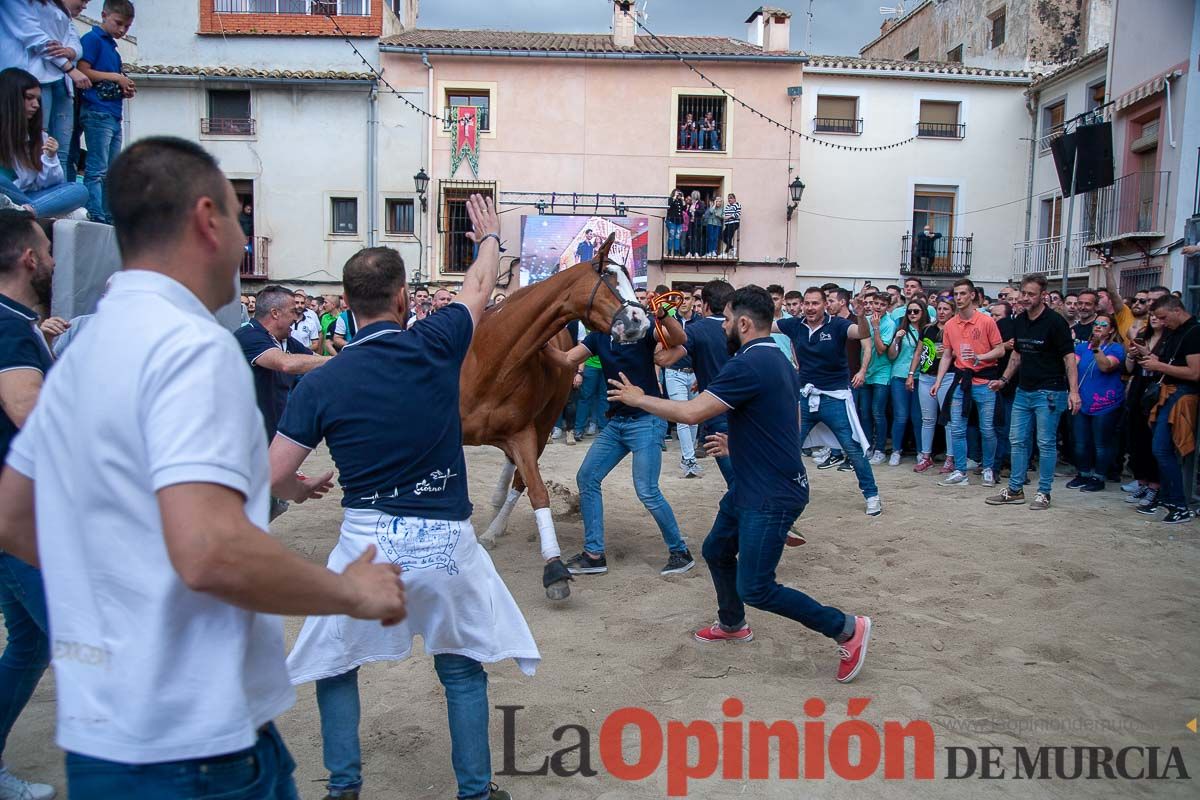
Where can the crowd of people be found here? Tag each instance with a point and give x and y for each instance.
(699, 227)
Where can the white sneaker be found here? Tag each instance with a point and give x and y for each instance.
(13, 788)
(956, 478)
(877, 458)
(874, 506)
(894, 461)
(556, 434)
(971, 464)
(820, 454)
(989, 477)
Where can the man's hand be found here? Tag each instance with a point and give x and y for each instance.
(623, 391)
(484, 219)
(717, 445)
(314, 487)
(378, 590)
(1009, 344)
(80, 80)
(1152, 363)
(54, 326)
(858, 379)
(1074, 402)
(995, 386)
(577, 381)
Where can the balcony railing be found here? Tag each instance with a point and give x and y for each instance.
(254, 260)
(949, 255)
(942, 130)
(692, 246)
(1045, 257)
(1134, 207)
(345, 8)
(836, 125)
(214, 126)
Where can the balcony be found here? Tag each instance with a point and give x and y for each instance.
(835, 125)
(942, 130)
(254, 260)
(212, 126)
(1134, 207)
(321, 8)
(692, 247)
(950, 257)
(1045, 257)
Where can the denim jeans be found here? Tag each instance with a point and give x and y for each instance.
(905, 408)
(679, 387)
(877, 399)
(833, 413)
(27, 651)
(567, 417)
(710, 140)
(1170, 465)
(1004, 404)
(1095, 442)
(592, 403)
(742, 551)
(719, 425)
(58, 118)
(985, 404)
(62, 198)
(103, 132)
(930, 408)
(1043, 407)
(712, 235)
(261, 772)
(465, 682)
(643, 437)
(674, 238)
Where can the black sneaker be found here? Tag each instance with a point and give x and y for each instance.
(845, 466)
(1177, 515)
(1149, 505)
(1079, 481)
(832, 460)
(678, 563)
(1094, 485)
(584, 564)
(496, 793)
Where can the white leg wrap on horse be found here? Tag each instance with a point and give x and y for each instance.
(546, 533)
(504, 484)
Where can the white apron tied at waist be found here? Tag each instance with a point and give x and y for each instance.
(457, 602)
(820, 435)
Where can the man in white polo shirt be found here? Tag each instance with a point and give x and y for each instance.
(151, 509)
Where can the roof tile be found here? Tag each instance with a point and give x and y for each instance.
(245, 72)
(434, 39)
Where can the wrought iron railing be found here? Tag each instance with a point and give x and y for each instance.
(697, 243)
(700, 123)
(1045, 257)
(836, 125)
(942, 130)
(1135, 206)
(254, 260)
(345, 8)
(947, 255)
(215, 126)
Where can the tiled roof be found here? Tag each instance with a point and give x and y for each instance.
(435, 39)
(915, 67)
(1085, 60)
(246, 72)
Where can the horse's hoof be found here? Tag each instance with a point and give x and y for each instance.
(559, 591)
(557, 580)
(488, 542)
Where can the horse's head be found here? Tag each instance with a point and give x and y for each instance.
(612, 306)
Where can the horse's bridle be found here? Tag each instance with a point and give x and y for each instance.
(601, 270)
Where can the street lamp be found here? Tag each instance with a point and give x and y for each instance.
(422, 182)
(796, 189)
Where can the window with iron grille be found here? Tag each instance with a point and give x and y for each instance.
(939, 119)
(479, 98)
(700, 123)
(955, 55)
(400, 217)
(228, 113)
(343, 215)
(453, 223)
(837, 115)
(998, 19)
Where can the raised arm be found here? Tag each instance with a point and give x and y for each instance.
(291, 363)
(480, 280)
(1112, 284)
(667, 357)
(687, 412)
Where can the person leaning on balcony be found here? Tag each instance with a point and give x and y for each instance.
(925, 247)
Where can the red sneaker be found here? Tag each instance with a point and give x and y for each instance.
(795, 538)
(923, 463)
(947, 466)
(715, 633)
(854, 651)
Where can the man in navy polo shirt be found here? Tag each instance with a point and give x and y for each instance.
(26, 267)
(629, 430)
(820, 342)
(408, 496)
(758, 390)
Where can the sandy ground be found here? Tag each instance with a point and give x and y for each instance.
(1076, 626)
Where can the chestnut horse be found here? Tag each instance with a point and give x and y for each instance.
(511, 396)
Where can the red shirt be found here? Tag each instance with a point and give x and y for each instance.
(980, 332)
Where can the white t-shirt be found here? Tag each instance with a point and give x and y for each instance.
(307, 329)
(147, 670)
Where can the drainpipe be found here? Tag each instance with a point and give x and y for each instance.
(372, 163)
(1031, 106)
(429, 134)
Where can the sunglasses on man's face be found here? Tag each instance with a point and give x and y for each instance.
(1141, 300)
(1101, 325)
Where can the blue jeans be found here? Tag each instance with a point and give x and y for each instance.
(58, 118)
(465, 682)
(833, 413)
(710, 140)
(719, 425)
(1095, 442)
(27, 652)
(712, 238)
(742, 551)
(592, 403)
(905, 408)
(1170, 465)
(679, 387)
(1004, 406)
(261, 772)
(674, 238)
(1043, 407)
(877, 396)
(103, 132)
(643, 437)
(62, 198)
(985, 404)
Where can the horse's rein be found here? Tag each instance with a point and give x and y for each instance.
(600, 281)
(666, 302)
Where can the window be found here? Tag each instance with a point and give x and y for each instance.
(939, 120)
(915, 55)
(837, 115)
(1096, 95)
(934, 208)
(955, 55)
(343, 215)
(481, 100)
(1050, 223)
(400, 217)
(228, 113)
(453, 223)
(998, 20)
(1052, 122)
(700, 123)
